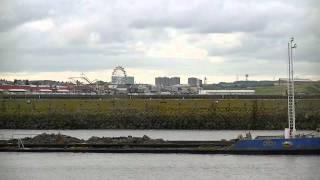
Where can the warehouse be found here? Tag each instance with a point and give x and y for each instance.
(227, 92)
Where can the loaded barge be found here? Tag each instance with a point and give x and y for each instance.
(244, 146)
(306, 144)
(213, 147)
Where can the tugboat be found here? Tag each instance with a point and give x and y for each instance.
(290, 142)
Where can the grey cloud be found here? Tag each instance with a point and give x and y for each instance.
(271, 49)
(17, 12)
(70, 51)
(219, 17)
(266, 25)
(87, 62)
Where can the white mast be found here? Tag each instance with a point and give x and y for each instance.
(291, 104)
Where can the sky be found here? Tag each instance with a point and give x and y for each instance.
(220, 40)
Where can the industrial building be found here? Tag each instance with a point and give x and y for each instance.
(162, 81)
(227, 92)
(194, 82)
(33, 89)
(166, 81)
(183, 89)
(174, 81)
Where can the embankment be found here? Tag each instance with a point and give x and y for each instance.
(155, 113)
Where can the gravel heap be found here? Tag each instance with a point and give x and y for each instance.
(45, 138)
(132, 140)
(51, 139)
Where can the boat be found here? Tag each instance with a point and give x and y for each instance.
(290, 142)
(279, 145)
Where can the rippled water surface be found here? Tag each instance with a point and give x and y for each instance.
(84, 166)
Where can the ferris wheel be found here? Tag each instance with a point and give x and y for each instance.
(119, 75)
(119, 71)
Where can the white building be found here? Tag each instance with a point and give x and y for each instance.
(227, 92)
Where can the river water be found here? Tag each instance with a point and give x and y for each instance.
(94, 166)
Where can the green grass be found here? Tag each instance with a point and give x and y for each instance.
(167, 113)
(167, 106)
(306, 89)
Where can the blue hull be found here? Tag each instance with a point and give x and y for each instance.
(296, 144)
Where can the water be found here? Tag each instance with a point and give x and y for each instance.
(83, 166)
(95, 166)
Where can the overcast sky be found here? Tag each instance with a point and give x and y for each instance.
(220, 40)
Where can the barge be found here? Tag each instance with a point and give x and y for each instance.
(290, 141)
(259, 145)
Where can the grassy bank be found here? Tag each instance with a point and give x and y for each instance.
(155, 114)
(302, 89)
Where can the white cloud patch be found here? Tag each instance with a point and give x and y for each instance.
(216, 59)
(94, 37)
(177, 48)
(44, 25)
